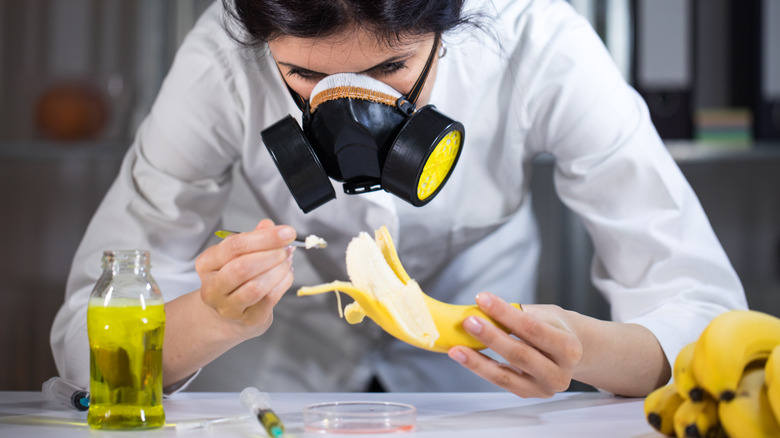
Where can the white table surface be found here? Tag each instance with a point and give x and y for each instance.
(451, 415)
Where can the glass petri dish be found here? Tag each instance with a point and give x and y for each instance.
(359, 417)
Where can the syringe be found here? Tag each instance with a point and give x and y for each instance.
(59, 389)
(259, 403)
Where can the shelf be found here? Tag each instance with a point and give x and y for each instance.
(689, 151)
(46, 150)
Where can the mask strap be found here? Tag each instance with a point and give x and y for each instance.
(418, 86)
(299, 101)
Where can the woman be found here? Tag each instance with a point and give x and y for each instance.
(524, 77)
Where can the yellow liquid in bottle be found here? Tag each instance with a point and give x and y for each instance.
(125, 353)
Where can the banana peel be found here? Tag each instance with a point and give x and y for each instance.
(660, 407)
(383, 290)
(730, 342)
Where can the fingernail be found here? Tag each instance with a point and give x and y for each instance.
(290, 251)
(457, 355)
(484, 300)
(286, 233)
(472, 324)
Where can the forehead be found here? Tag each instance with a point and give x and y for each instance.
(350, 51)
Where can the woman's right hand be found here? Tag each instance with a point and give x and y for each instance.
(244, 277)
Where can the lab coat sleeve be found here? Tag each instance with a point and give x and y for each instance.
(657, 259)
(168, 196)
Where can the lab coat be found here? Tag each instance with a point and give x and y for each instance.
(538, 81)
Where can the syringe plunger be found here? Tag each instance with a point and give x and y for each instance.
(255, 400)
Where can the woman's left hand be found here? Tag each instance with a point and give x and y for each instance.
(541, 350)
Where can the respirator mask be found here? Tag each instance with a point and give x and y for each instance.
(363, 133)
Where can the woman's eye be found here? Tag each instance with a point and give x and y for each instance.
(392, 67)
(305, 75)
(380, 71)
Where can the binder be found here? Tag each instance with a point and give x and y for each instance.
(755, 64)
(663, 65)
(767, 109)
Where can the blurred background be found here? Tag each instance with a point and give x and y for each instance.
(78, 76)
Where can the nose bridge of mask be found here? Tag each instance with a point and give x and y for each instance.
(352, 86)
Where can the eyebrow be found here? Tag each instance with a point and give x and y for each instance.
(390, 60)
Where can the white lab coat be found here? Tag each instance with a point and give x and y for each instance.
(548, 86)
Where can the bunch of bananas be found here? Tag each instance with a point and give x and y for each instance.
(726, 383)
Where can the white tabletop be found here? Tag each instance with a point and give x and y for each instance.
(451, 415)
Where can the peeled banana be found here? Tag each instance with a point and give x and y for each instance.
(660, 407)
(729, 343)
(748, 414)
(384, 292)
(682, 375)
(772, 370)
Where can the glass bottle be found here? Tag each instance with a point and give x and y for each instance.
(126, 324)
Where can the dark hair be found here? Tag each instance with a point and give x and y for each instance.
(260, 21)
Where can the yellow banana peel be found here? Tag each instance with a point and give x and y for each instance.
(729, 343)
(772, 370)
(698, 419)
(748, 414)
(660, 407)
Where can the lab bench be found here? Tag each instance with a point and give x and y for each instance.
(438, 415)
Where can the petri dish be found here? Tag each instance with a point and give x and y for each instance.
(359, 417)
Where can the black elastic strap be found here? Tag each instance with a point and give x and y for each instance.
(418, 86)
(299, 101)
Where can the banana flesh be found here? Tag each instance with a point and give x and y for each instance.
(383, 291)
(369, 271)
(727, 382)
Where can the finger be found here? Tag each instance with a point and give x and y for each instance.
(247, 267)
(263, 237)
(209, 260)
(261, 313)
(216, 287)
(556, 342)
(269, 287)
(264, 223)
(266, 289)
(282, 286)
(502, 375)
(521, 355)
